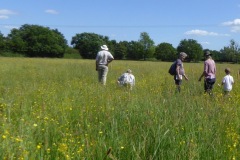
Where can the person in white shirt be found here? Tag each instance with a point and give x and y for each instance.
(104, 57)
(227, 82)
(127, 79)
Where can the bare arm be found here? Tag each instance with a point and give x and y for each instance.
(96, 65)
(200, 78)
(185, 77)
(109, 60)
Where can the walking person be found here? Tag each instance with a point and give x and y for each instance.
(227, 82)
(209, 73)
(104, 57)
(180, 73)
(127, 79)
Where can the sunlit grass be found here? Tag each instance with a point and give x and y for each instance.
(55, 109)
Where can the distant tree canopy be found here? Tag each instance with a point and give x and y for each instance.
(37, 41)
(88, 44)
(165, 52)
(121, 50)
(147, 44)
(134, 50)
(2, 43)
(193, 49)
(231, 53)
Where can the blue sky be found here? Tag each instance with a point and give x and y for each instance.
(213, 23)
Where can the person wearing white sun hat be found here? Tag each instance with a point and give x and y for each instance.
(104, 57)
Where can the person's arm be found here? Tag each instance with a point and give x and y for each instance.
(121, 78)
(96, 65)
(97, 61)
(178, 71)
(200, 78)
(223, 81)
(185, 77)
(109, 60)
(204, 72)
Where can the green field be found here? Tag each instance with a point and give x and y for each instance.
(55, 109)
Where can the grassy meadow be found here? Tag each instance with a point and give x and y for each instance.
(54, 109)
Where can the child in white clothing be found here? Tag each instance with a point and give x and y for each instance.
(227, 82)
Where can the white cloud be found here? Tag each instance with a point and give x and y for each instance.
(201, 33)
(198, 32)
(205, 43)
(51, 11)
(10, 27)
(235, 25)
(3, 17)
(235, 22)
(6, 12)
(235, 29)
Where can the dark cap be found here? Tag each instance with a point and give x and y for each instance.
(207, 53)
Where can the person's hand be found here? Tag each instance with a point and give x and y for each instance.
(186, 78)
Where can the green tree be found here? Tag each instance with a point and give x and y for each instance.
(231, 53)
(193, 49)
(37, 41)
(88, 44)
(120, 50)
(217, 56)
(134, 50)
(2, 43)
(72, 53)
(165, 52)
(147, 45)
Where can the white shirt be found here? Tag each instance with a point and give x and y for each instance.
(103, 57)
(127, 78)
(227, 83)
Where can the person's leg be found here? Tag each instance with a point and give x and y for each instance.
(205, 86)
(178, 84)
(212, 82)
(104, 75)
(208, 85)
(100, 73)
(226, 93)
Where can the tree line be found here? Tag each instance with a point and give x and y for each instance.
(38, 41)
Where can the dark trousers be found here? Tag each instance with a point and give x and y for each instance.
(208, 84)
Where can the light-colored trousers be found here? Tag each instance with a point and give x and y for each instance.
(102, 74)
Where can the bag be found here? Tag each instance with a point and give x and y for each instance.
(172, 69)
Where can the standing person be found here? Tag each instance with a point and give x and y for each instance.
(127, 79)
(209, 72)
(180, 70)
(227, 82)
(104, 57)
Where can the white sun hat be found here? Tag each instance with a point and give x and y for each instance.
(104, 47)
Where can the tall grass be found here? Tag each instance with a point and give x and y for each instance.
(55, 109)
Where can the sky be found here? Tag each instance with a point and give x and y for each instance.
(212, 23)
